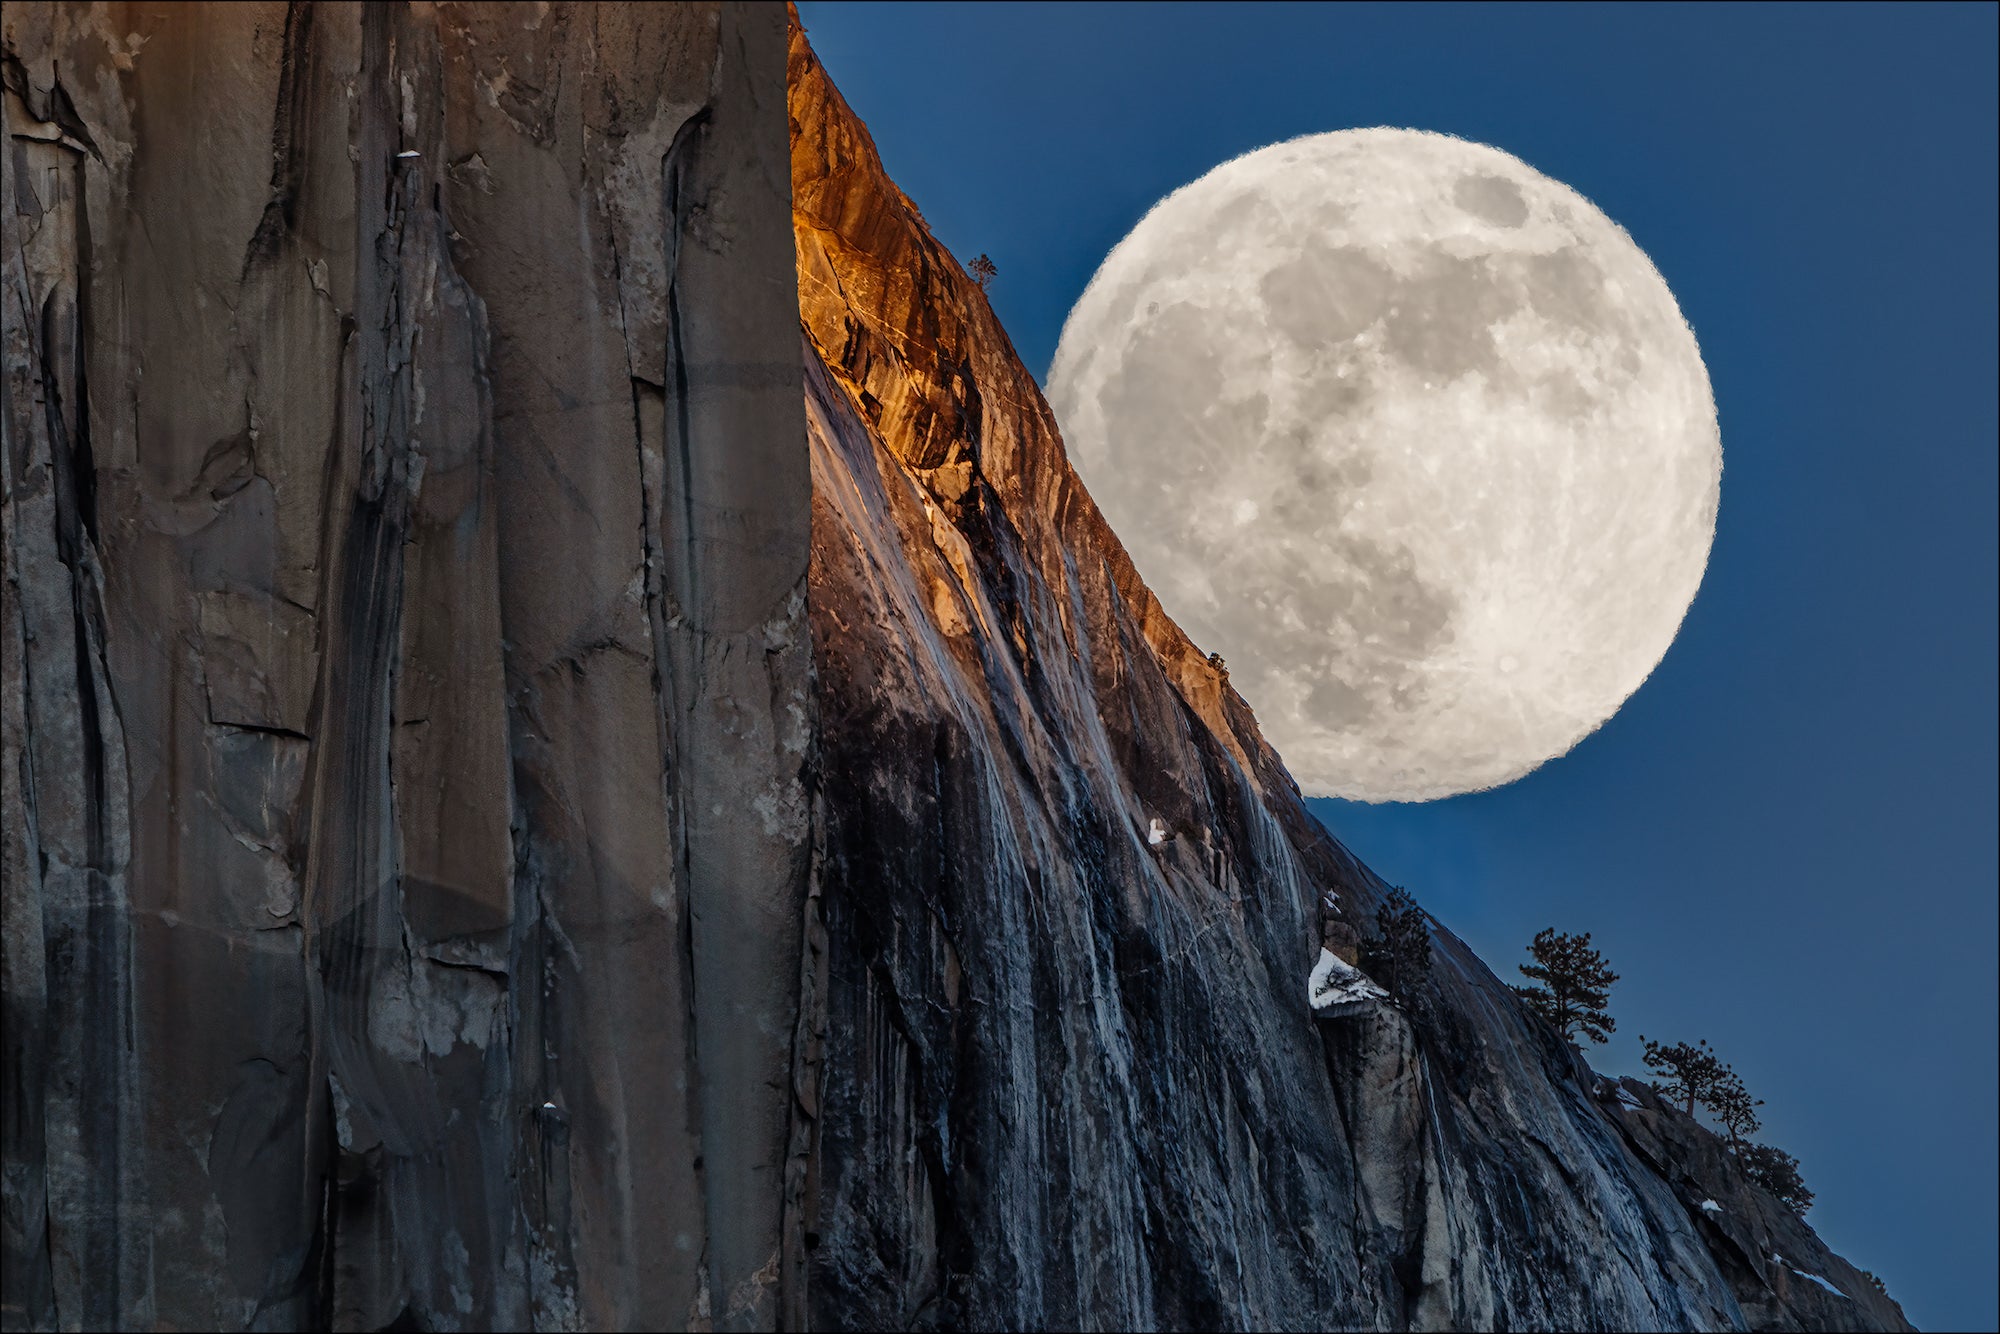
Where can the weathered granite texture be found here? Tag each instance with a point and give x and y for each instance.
(1070, 1080)
(517, 817)
(406, 673)
(1767, 1253)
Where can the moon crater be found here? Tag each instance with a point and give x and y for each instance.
(1415, 436)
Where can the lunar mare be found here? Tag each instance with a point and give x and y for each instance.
(1413, 435)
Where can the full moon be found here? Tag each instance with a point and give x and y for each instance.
(1411, 434)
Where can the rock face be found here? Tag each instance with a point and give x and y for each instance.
(1067, 1078)
(406, 669)
(1782, 1274)
(517, 817)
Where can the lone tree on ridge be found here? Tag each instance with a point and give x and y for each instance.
(1693, 1073)
(1575, 985)
(982, 269)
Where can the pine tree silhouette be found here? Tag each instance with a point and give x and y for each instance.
(1735, 1110)
(982, 270)
(1575, 985)
(1778, 1172)
(1693, 1073)
(1398, 955)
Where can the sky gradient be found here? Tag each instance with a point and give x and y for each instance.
(1786, 840)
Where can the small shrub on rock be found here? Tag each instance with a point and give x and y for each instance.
(1778, 1172)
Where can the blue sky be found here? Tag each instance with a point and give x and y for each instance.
(1786, 840)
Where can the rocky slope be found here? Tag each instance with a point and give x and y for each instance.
(515, 817)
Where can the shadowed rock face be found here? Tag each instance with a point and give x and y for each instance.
(405, 665)
(516, 817)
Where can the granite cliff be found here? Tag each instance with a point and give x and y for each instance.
(1069, 1079)
(516, 816)
(405, 663)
